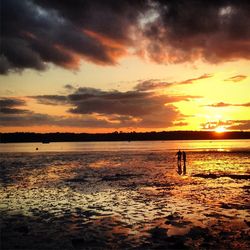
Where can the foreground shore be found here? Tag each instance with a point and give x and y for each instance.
(124, 200)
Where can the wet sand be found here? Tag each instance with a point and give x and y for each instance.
(124, 200)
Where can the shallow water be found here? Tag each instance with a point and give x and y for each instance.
(121, 195)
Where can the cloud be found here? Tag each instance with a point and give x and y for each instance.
(218, 105)
(132, 103)
(229, 125)
(240, 125)
(243, 104)
(222, 105)
(181, 124)
(11, 106)
(51, 99)
(38, 32)
(237, 78)
(149, 85)
(216, 31)
(91, 107)
(92, 120)
(192, 80)
(215, 124)
(24, 120)
(60, 32)
(69, 87)
(152, 84)
(37, 119)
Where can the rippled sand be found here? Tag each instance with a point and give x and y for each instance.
(124, 200)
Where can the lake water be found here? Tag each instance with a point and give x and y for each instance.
(125, 195)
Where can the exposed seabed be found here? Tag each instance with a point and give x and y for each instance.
(124, 200)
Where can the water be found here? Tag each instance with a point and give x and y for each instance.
(124, 195)
(189, 145)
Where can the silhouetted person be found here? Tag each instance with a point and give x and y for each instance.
(179, 162)
(184, 157)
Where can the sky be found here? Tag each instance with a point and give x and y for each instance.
(132, 65)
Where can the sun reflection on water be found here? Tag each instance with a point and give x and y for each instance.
(128, 198)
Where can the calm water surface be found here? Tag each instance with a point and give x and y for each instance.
(125, 195)
(197, 145)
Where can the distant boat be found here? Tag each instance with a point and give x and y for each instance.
(45, 141)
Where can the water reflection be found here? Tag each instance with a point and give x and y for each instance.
(197, 145)
(132, 199)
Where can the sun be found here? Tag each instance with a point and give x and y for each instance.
(220, 129)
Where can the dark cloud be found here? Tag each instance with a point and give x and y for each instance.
(69, 87)
(37, 119)
(192, 80)
(120, 109)
(134, 103)
(51, 99)
(180, 124)
(222, 105)
(152, 84)
(218, 105)
(61, 32)
(38, 32)
(11, 106)
(188, 30)
(92, 121)
(237, 78)
(96, 108)
(149, 85)
(24, 120)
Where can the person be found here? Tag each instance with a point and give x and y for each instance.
(179, 162)
(184, 157)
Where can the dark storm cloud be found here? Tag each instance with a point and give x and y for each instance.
(223, 104)
(152, 84)
(37, 32)
(237, 78)
(189, 30)
(62, 32)
(11, 106)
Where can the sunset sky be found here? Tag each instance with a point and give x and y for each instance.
(102, 66)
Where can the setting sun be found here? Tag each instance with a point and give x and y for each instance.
(220, 129)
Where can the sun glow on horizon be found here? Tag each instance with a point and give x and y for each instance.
(220, 129)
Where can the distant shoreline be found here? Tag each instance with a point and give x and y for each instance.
(121, 136)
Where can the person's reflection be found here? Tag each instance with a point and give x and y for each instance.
(184, 157)
(179, 162)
